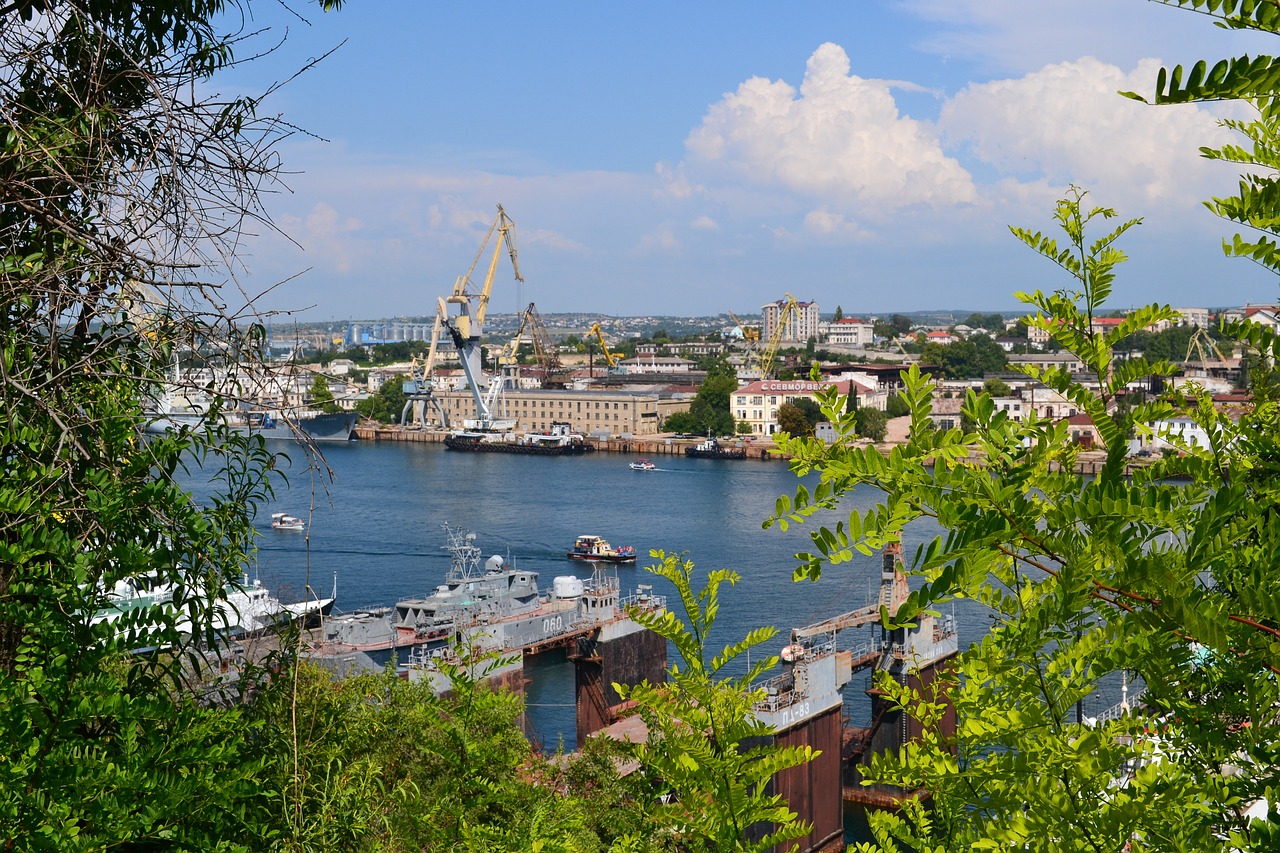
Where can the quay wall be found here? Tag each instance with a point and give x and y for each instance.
(1085, 465)
(637, 445)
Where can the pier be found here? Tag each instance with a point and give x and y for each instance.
(805, 704)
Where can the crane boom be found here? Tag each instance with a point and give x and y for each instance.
(790, 309)
(608, 356)
(466, 327)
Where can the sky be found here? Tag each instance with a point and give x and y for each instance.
(669, 158)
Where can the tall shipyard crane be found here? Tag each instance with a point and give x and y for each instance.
(791, 309)
(553, 372)
(466, 326)
(420, 387)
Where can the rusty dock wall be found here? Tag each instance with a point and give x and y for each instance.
(622, 653)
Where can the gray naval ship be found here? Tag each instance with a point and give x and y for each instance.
(497, 596)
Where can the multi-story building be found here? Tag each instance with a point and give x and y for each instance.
(612, 412)
(657, 364)
(847, 330)
(757, 403)
(797, 326)
(684, 348)
(1193, 317)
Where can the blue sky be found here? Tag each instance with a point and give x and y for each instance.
(691, 158)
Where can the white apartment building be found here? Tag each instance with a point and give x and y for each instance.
(797, 326)
(1193, 317)
(847, 330)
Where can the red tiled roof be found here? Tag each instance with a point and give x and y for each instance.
(800, 386)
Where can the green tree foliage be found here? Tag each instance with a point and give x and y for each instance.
(871, 423)
(966, 359)
(993, 323)
(896, 407)
(709, 411)
(320, 395)
(997, 387)
(792, 420)
(386, 405)
(1250, 80)
(811, 410)
(707, 753)
(839, 315)
(108, 149)
(387, 764)
(897, 325)
(1166, 576)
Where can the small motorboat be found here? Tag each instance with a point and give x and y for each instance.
(281, 521)
(642, 465)
(594, 549)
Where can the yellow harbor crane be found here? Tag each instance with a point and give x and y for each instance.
(1199, 340)
(609, 357)
(790, 310)
(466, 327)
(749, 333)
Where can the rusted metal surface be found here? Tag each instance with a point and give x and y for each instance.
(598, 665)
(812, 790)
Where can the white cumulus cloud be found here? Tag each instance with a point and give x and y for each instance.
(1066, 123)
(838, 140)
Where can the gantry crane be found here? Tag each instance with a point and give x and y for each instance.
(1199, 340)
(420, 388)
(466, 327)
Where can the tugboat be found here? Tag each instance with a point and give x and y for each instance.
(712, 449)
(642, 465)
(594, 549)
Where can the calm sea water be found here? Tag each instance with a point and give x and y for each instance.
(377, 525)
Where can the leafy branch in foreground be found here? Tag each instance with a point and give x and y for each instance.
(709, 756)
(1167, 577)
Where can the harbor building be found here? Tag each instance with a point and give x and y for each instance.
(757, 403)
(850, 331)
(590, 412)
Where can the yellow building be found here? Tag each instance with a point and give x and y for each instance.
(757, 403)
(615, 412)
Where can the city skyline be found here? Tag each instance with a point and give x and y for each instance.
(682, 161)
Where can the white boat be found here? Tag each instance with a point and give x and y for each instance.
(281, 521)
(245, 608)
(248, 609)
(642, 465)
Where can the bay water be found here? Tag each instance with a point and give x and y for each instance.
(377, 527)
